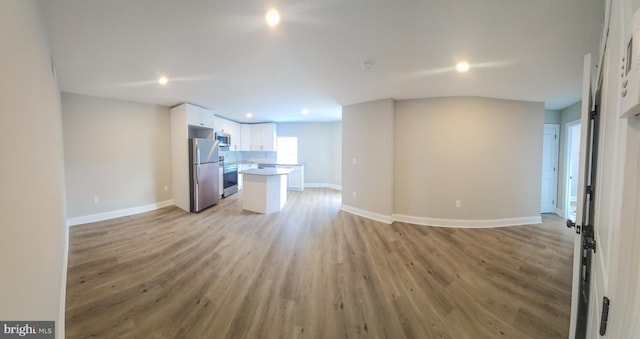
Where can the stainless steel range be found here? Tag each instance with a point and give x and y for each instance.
(230, 179)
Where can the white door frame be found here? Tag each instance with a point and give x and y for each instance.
(577, 248)
(624, 318)
(554, 179)
(568, 169)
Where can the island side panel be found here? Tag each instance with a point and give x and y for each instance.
(276, 197)
(264, 193)
(284, 181)
(254, 197)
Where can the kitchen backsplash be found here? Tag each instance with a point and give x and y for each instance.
(232, 156)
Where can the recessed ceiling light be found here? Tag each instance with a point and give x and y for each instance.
(462, 67)
(305, 111)
(163, 81)
(249, 115)
(272, 17)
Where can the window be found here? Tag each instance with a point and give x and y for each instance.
(287, 150)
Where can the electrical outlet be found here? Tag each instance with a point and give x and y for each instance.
(96, 199)
(166, 188)
(354, 195)
(458, 203)
(354, 161)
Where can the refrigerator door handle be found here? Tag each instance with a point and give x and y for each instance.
(197, 175)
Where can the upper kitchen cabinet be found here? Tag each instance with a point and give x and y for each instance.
(269, 137)
(245, 140)
(198, 117)
(236, 136)
(263, 137)
(218, 123)
(232, 128)
(194, 121)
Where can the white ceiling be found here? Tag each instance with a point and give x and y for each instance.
(221, 55)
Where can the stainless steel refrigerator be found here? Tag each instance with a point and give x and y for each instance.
(203, 174)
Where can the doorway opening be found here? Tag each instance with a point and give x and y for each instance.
(572, 156)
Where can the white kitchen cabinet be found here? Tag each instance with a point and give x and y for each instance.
(236, 136)
(295, 179)
(221, 124)
(263, 137)
(256, 138)
(217, 123)
(245, 139)
(232, 128)
(269, 137)
(198, 116)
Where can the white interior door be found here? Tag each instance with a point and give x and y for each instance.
(549, 168)
(615, 226)
(613, 209)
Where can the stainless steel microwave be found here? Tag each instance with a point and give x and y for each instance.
(224, 139)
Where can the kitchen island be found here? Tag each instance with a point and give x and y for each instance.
(265, 189)
(295, 179)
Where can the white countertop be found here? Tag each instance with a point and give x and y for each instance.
(267, 171)
(269, 163)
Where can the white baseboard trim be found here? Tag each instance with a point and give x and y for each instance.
(387, 219)
(488, 223)
(323, 185)
(118, 213)
(454, 223)
(560, 213)
(60, 323)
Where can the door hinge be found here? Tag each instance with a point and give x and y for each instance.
(604, 317)
(589, 190)
(588, 238)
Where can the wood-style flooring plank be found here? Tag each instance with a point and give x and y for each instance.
(314, 271)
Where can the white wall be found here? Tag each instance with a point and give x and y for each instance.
(314, 148)
(552, 116)
(336, 154)
(367, 137)
(33, 235)
(415, 158)
(484, 152)
(119, 151)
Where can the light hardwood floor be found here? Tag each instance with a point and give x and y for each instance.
(313, 271)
